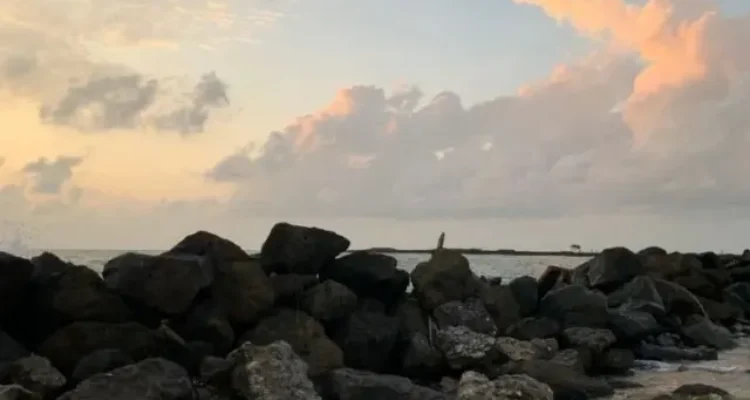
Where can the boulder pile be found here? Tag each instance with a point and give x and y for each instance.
(306, 319)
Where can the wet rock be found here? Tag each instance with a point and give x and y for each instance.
(613, 267)
(15, 274)
(66, 347)
(167, 283)
(367, 338)
(464, 348)
(17, 392)
(306, 336)
(531, 328)
(553, 278)
(150, 379)
(444, 277)
(369, 274)
(470, 313)
(615, 361)
(100, 361)
(243, 290)
(565, 381)
(699, 390)
(301, 250)
(574, 306)
(271, 372)
(596, 340)
(475, 386)
(706, 333)
(329, 301)
(289, 288)
(35, 374)
(526, 292)
(501, 305)
(350, 384)
(632, 326)
(647, 351)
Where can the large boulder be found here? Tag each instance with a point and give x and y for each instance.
(640, 294)
(553, 277)
(100, 361)
(290, 287)
(465, 349)
(306, 336)
(445, 277)
(368, 337)
(15, 274)
(596, 340)
(613, 267)
(526, 292)
(351, 384)
(533, 328)
(632, 326)
(150, 379)
(206, 322)
(706, 333)
(470, 313)
(167, 283)
(270, 372)
(475, 386)
(35, 374)
(329, 301)
(299, 249)
(501, 305)
(16, 392)
(369, 274)
(243, 291)
(10, 349)
(66, 347)
(419, 358)
(216, 249)
(566, 381)
(575, 305)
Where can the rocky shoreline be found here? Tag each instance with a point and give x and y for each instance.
(303, 320)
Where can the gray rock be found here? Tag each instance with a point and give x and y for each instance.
(17, 392)
(475, 386)
(470, 313)
(566, 381)
(613, 267)
(615, 361)
(35, 374)
(150, 379)
(445, 277)
(501, 304)
(464, 348)
(574, 306)
(630, 325)
(570, 358)
(350, 384)
(517, 350)
(648, 351)
(329, 301)
(243, 290)
(706, 333)
(596, 340)
(99, 361)
(531, 328)
(270, 372)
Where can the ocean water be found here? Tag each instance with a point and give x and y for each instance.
(731, 372)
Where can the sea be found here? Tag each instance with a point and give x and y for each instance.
(731, 372)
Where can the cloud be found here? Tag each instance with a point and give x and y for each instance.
(653, 122)
(208, 94)
(48, 177)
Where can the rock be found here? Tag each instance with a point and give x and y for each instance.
(526, 293)
(167, 283)
(706, 333)
(613, 267)
(632, 326)
(419, 358)
(350, 384)
(306, 336)
(444, 277)
(646, 351)
(652, 251)
(367, 338)
(517, 350)
(17, 392)
(289, 288)
(206, 322)
(35, 374)
(15, 274)
(100, 361)
(571, 358)
(699, 390)
(565, 381)
(271, 372)
(615, 361)
(640, 294)
(10, 349)
(532, 328)
(723, 313)
(66, 347)
(575, 305)
(739, 295)
(501, 305)
(243, 290)
(369, 274)
(553, 278)
(150, 379)
(412, 319)
(470, 313)
(545, 349)
(671, 265)
(301, 250)
(329, 301)
(464, 348)
(215, 370)
(216, 249)
(596, 340)
(475, 386)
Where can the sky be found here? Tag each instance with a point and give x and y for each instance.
(527, 124)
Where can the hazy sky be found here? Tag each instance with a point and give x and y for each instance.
(505, 123)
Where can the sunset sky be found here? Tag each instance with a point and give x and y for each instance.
(530, 124)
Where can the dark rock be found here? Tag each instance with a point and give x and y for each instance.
(10, 349)
(475, 386)
(564, 380)
(697, 282)
(740, 274)
(518, 350)
(289, 287)
(671, 265)
(271, 372)
(243, 290)
(700, 390)
(207, 323)
(35, 374)
(419, 358)
(167, 283)
(573, 359)
(652, 251)
(412, 319)
(444, 277)
(647, 351)
(545, 349)
(306, 336)
(301, 250)
(640, 295)
(615, 361)
(470, 313)
(216, 371)
(575, 305)
(632, 326)
(596, 340)
(100, 361)
(526, 292)
(15, 274)
(531, 328)
(369, 274)
(368, 338)
(66, 347)
(350, 384)
(739, 294)
(17, 392)
(553, 278)
(724, 313)
(216, 249)
(706, 333)
(613, 267)
(466, 349)
(150, 379)
(329, 301)
(501, 305)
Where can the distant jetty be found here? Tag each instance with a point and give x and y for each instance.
(504, 252)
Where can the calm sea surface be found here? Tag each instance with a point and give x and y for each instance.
(729, 373)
